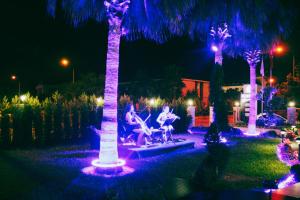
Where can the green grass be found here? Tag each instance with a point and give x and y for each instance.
(14, 182)
(252, 160)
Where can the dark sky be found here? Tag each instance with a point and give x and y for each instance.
(32, 43)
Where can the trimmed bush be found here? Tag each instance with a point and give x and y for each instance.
(56, 120)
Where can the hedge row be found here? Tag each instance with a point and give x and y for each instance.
(29, 122)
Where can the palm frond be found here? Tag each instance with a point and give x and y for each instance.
(253, 24)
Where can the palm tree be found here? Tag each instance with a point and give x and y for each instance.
(243, 28)
(252, 57)
(154, 20)
(219, 35)
(258, 37)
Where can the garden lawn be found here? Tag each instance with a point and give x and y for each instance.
(56, 172)
(14, 183)
(252, 160)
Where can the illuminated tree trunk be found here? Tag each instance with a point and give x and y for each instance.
(219, 35)
(252, 57)
(108, 139)
(219, 56)
(216, 81)
(253, 109)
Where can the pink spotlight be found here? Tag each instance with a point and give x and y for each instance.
(214, 48)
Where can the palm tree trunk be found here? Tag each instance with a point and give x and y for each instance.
(219, 56)
(219, 61)
(253, 109)
(108, 139)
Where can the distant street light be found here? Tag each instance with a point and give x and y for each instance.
(14, 78)
(276, 50)
(279, 49)
(64, 62)
(271, 81)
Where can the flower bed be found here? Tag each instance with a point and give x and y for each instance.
(287, 155)
(288, 150)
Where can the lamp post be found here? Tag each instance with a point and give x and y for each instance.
(191, 110)
(291, 113)
(64, 62)
(275, 50)
(15, 78)
(236, 111)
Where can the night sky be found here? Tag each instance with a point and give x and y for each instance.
(32, 43)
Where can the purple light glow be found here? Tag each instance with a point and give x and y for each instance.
(285, 157)
(280, 155)
(289, 180)
(252, 134)
(99, 164)
(267, 191)
(92, 171)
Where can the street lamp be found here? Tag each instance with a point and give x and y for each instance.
(271, 80)
(275, 50)
(15, 78)
(65, 62)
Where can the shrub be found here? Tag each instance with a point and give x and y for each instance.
(57, 120)
(212, 136)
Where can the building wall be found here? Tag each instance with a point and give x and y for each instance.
(200, 86)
